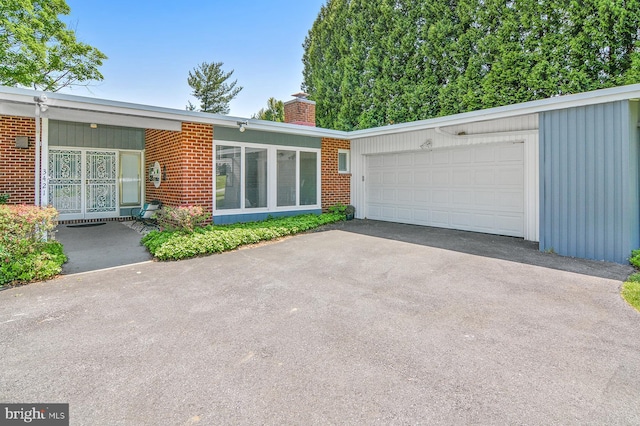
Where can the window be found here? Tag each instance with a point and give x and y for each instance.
(255, 177)
(228, 177)
(308, 178)
(255, 180)
(286, 178)
(343, 161)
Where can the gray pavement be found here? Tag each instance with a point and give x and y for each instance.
(90, 248)
(332, 327)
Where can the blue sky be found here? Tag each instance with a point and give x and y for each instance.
(153, 44)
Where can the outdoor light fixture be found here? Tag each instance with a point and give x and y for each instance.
(93, 125)
(242, 125)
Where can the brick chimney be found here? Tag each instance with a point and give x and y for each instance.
(300, 110)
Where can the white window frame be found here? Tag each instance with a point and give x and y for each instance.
(272, 175)
(348, 162)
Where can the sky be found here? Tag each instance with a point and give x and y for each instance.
(153, 44)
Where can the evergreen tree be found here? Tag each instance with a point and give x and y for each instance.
(210, 87)
(370, 63)
(273, 112)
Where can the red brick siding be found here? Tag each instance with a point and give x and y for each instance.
(298, 112)
(17, 164)
(188, 158)
(336, 187)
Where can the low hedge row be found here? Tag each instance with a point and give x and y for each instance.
(175, 245)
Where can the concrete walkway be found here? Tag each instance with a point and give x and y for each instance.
(90, 248)
(332, 327)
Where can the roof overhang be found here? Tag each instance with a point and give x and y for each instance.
(17, 101)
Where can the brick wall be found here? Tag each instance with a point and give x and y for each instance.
(300, 111)
(336, 187)
(188, 158)
(17, 164)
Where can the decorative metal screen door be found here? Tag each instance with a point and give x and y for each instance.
(101, 178)
(65, 183)
(83, 184)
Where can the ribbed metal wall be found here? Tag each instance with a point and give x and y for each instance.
(589, 181)
(81, 135)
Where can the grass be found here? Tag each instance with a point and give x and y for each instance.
(177, 245)
(631, 290)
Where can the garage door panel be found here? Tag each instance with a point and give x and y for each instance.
(509, 176)
(405, 195)
(388, 195)
(422, 178)
(440, 218)
(461, 156)
(462, 198)
(440, 177)
(404, 215)
(485, 155)
(461, 220)
(483, 177)
(390, 160)
(422, 196)
(441, 157)
(389, 178)
(405, 159)
(440, 196)
(462, 177)
(514, 152)
(422, 158)
(476, 188)
(405, 177)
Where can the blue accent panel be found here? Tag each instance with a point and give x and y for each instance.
(589, 181)
(267, 138)
(64, 133)
(254, 217)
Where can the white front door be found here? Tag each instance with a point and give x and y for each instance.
(83, 183)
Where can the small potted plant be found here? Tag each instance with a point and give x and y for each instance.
(349, 212)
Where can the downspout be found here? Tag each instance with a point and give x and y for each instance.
(40, 108)
(44, 153)
(36, 174)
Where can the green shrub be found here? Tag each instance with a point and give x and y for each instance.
(4, 198)
(635, 258)
(183, 218)
(24, 253)
(175, 245)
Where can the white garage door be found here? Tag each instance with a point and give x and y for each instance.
(476, 188)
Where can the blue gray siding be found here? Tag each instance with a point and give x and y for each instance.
(268, 138)
(253, 217)
(80, 135)
(589, 201)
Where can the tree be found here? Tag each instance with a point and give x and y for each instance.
(375, 62)
(273, 112)
(210, 87)
(38, 50)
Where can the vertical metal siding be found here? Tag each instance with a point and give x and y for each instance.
(65, 133)
(587, 202)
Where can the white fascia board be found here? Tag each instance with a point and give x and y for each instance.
(58, 101)
(559, 102)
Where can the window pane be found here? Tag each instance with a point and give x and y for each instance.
(286, 178)
(255, 190)
(130, 179)
(342, 161)
(308, 178)
(228, 176)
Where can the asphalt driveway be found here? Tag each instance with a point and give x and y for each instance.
(334, 327)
